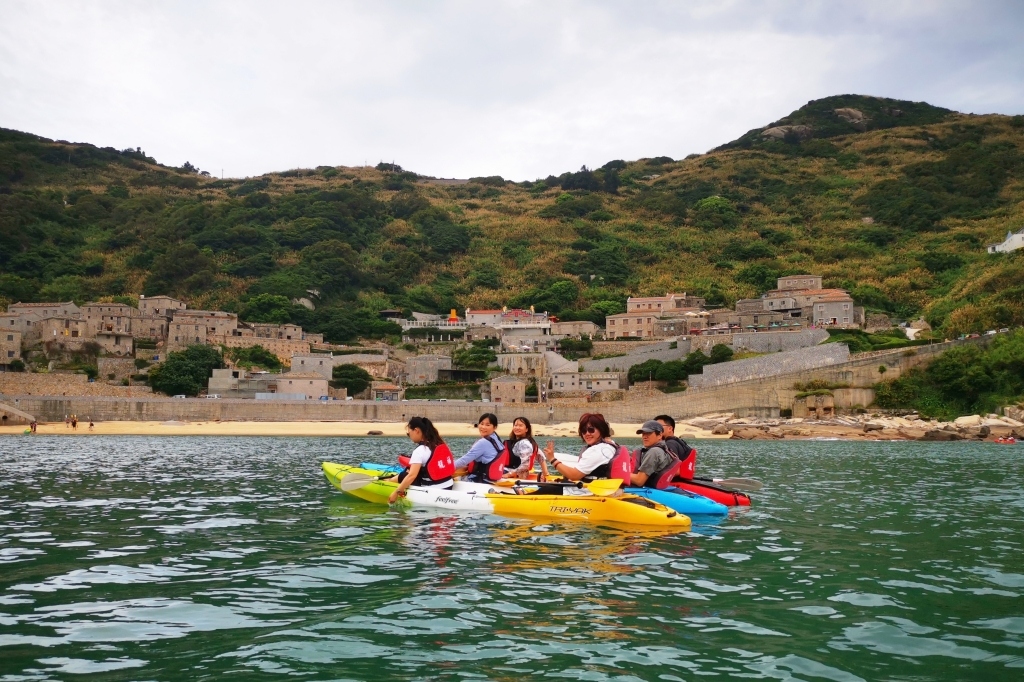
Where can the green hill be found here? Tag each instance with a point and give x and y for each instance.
(893, 200)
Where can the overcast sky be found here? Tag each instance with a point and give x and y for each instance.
(520, 89)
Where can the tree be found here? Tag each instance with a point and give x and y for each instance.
(352, 378)
(267, 308)
(715, 213)
(721, 353)
(17, 365)
(185, 372)
(255, 356)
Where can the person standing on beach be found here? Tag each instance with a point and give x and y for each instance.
(74, 422)
(67, 421)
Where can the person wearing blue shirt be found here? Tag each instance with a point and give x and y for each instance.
(484, 451)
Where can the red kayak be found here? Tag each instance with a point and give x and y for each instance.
(713, 491)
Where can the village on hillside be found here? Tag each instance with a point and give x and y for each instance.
(500, 355)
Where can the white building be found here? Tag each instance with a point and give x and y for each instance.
(1013, 241)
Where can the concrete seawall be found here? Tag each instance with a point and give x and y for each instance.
(755, 397)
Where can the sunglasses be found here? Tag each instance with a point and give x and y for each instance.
(590, 429)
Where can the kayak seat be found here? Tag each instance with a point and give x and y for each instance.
(666, 476)
(404, 460)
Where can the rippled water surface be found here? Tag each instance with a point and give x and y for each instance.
(135, 558)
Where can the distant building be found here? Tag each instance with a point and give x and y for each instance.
(663, 305)
(1013, 241)
(238, 383)
(38, 311)
(10, 346)
(386, 391)
(508, 389)
(423, 369)
(160, 306)
(791, 282)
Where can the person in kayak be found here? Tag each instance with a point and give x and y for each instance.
(678, 447)
(595, 460)
(430, 464)
(654, 459)
(484, 462)
(521, 445)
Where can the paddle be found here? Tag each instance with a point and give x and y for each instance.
(748, 484)
(356, 481)
(602, 487)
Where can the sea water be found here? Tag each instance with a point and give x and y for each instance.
(139, 558)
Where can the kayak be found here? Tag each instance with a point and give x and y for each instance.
(705, 487)
(622, 508)
(682, 501)
(711, 490)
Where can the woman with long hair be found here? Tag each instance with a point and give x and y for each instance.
(430, 464)
(598, 450)
(522, 445)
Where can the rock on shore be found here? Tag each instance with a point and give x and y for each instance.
(861, 427)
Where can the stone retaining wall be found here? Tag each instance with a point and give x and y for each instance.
(659, 351)
(770, 365)
(30, 383)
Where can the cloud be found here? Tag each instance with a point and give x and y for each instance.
(456, 89)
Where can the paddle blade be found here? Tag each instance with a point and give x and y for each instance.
(356, 481)
(603, 487)
(748, 484)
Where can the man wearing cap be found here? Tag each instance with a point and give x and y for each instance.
(653, 459)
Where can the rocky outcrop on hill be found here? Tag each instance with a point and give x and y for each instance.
(861, 427)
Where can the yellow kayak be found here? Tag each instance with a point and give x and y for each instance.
(621, 508)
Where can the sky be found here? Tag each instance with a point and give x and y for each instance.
(515, 88)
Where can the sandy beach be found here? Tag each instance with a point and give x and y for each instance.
(334, 428)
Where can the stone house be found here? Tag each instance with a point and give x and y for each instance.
(115, 343)
(632, 325)
(483, 318)
(508, 389)
(73, 329)
(423, 369)
(663, 305)
(22, 324)
(523, 364)
(190, 327)
(160, 306)
(310, 384)
(238, 383)
(10, 346)
(387, 391)
(575, 328)
(837, 311)
(791, 282)
(320, 363)
(38, 311)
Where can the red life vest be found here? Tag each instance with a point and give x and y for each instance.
(660, 479)
(620, 466)
(493, 470)
(439, 468)
(687, 456)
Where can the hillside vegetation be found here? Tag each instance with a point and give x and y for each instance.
(895, 206)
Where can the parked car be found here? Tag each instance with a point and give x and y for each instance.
(1004, 330)
(990, 332)
(181, 396)
(214, 396)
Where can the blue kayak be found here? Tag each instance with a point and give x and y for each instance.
(682, 501)
(676, 499)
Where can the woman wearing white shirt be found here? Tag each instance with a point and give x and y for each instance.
(595, 460)
(430, 464)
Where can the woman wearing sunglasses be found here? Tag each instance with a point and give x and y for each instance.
(595, 460)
